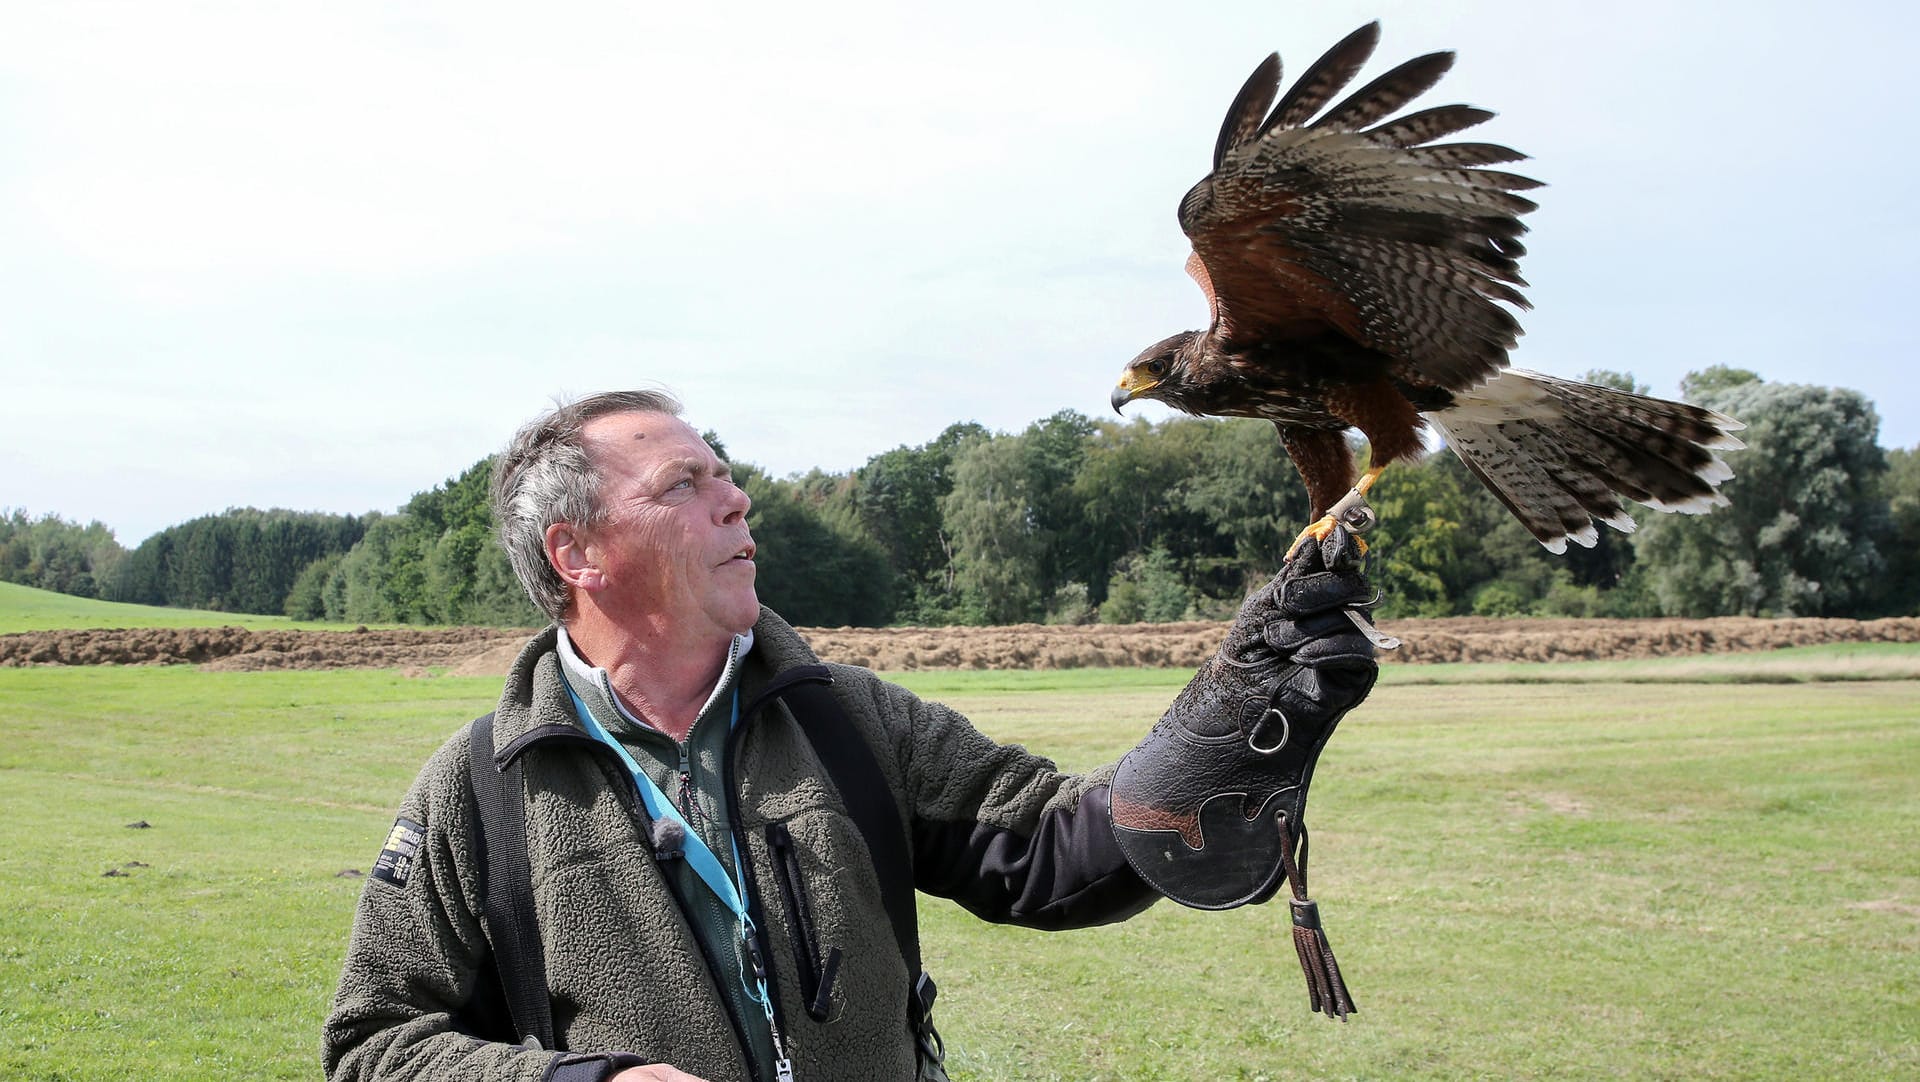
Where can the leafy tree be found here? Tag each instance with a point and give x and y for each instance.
(1053, 449)
(1019, 529)
(1000, 554)
(241, 560)
(306, 599)
(1130, 487)
(451, 572)
(141, 577)
(1250, 496)
(1713, 381)
(1426, 539)
(1070, 604)
(437, 562)
(1499, 598)
(1802, 533)
(497, 598)
(896, 501)
(1072, 518)
(1219, 496)
(384, 578)
(1147, 588)
(1902, 487)
(815, 566)
(449, 525)
(50, 553)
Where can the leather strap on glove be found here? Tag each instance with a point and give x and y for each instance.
(1210, 807)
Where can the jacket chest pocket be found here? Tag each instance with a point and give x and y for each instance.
(817, 964)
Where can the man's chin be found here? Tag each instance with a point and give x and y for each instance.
(744, 613)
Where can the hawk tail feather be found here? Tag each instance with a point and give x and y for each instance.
(1561, 454)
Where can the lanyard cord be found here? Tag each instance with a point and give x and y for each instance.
(698, 856)
(707, 866)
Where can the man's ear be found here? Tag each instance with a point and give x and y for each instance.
(572, 558)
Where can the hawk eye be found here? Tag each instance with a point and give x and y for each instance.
(1157, 367)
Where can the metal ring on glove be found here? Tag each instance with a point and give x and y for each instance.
(1286, 731)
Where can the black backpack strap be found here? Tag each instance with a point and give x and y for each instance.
(869, 798)
(507, 877)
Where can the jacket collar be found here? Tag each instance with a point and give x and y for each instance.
(534, 705)
(594, 684)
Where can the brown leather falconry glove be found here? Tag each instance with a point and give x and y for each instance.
(1210, 807)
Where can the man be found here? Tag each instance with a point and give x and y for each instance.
(708, 906)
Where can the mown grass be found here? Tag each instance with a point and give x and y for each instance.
(23, 608)
(1601, 879)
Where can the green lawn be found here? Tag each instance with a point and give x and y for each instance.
(23, 608)
(1578, 879)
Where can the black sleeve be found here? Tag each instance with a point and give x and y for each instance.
(1067, 873)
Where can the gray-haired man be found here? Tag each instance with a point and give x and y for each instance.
(753, 942)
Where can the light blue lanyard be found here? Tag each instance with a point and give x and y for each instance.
(698, 855)
(701, 859)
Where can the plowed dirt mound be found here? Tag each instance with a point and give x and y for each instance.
(1032, 646)
(489, 651)
(234, 648)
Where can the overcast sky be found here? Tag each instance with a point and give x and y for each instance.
(324, 256)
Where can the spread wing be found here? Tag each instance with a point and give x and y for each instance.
(1404, 246)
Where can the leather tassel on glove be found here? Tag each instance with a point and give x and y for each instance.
(1326, 990)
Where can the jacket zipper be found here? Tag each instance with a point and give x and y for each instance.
(816, 977)
(783, 1039)
(637, 815)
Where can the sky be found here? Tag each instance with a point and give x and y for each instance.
(326, 256)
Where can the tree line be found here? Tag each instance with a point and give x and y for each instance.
(1076, 520)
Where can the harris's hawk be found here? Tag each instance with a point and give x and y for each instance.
(1360, 277)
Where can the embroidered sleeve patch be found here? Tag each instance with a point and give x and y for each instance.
(395, 862)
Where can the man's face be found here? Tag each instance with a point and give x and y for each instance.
(674, 546)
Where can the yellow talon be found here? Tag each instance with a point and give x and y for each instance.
(1319, 532)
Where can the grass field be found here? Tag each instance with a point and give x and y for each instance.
(1587, 878)
(23, 608)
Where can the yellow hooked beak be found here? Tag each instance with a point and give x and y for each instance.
(1132, 386)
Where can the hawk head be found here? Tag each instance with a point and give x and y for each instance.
(1161, 372)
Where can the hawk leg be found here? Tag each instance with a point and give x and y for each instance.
(1352, 511)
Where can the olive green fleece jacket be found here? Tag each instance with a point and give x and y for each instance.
(995, 828)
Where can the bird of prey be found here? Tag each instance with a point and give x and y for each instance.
(1358, 272)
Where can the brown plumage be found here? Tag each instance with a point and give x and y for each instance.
(1361, 276)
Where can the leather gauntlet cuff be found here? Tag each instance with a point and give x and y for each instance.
(1195, 807)
(1210, 808)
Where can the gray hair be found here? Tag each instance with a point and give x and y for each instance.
(546, 476)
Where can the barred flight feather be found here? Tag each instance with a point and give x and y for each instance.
(1426, 125)
(1387, 93)
(1243, 116)
(1326, 77)
(1463, 155)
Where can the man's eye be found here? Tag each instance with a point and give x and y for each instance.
(684, 482)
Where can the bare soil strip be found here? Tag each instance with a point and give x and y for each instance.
(489, 651)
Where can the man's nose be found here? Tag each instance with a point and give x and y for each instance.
(734, 504)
